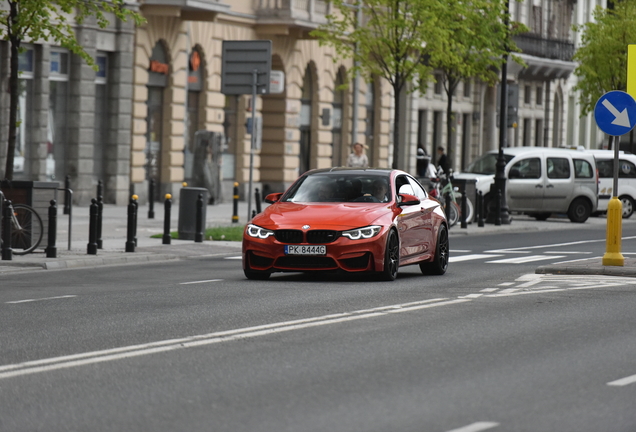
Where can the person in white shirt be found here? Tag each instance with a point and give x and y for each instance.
(358, 159)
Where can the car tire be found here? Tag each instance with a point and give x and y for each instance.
(391, 257)
(628, 206)
(255, 274)
(439, 265)
(580, 210)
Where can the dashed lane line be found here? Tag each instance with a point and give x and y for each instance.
(476, 427)
(40, 299)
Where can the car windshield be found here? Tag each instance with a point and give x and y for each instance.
(487, 164)
(339, 187)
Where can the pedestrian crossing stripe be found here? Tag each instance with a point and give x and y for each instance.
(525, 259)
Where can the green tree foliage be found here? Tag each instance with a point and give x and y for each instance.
(602, 55)
(387, 43)
(44, 21)
(481, 39)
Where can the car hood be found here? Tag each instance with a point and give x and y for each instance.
(335, 216)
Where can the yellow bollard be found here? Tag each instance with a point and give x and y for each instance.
(613, 256)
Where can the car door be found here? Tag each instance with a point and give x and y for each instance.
(408, 221)
(425, 218)
(559, 184)
(524, 189)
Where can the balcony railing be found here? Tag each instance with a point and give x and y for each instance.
(310, 13)
(538, 46)
(192, 10)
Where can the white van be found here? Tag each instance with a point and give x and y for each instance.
(626, 179)
(541, 181)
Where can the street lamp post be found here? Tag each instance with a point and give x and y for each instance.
(498, 209)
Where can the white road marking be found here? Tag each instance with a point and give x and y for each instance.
(623, 381)
(506, 283)
(202, 281)
(567, 253)
(476, 427)
(460, 250)
(74, 360)
(490, 289)
(470, 257)
(40, 299)
(234, 257)
(521, 260)
(471, 296)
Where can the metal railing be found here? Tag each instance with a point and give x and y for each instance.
(538, 46)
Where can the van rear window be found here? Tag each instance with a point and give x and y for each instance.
(582, 169)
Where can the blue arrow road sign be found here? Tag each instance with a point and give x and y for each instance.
(615, 113)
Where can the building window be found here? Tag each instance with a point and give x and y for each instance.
(438, 84)
(100, 130)
(527, 94)
(56, 136)
(539, 95)
(25, 112)
(336, 125)
(370, 132)
(538, 133)
(467, 89)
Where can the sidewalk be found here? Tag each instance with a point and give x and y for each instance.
(114, 232)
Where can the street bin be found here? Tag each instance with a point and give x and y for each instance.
(37, 194)
(187, 225)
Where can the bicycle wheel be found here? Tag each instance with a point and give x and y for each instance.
(453, 214)
(26, 229)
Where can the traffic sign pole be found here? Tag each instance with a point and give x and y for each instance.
(615, 114)
(614, 232)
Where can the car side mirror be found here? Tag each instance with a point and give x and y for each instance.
(274, 197)
(407, 200)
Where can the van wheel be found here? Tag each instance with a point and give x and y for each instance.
(580, 210)
(628, 206)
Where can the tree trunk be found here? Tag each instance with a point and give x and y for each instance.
(13, 94)
(396, 125)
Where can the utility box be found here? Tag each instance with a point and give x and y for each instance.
(187, 225)
(37, 194)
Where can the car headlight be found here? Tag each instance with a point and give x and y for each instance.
(362, 233)
(258, 232)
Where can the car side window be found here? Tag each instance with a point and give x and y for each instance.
(526, 169)
(605, 168)
(558, 168)
(417, 189)
(582, 169)
(626, 169)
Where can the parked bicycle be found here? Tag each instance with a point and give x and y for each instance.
(26, 228)
(442, 186)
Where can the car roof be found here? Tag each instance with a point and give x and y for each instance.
(610, 154)
(551, 151)
(347, 170)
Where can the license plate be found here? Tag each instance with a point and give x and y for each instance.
(305, 250)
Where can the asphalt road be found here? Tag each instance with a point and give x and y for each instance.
(192, 345)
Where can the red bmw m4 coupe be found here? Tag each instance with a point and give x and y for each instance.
(351, 220)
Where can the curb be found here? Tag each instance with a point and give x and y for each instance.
(592, 270)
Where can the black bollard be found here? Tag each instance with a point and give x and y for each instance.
(136, 203)
(257, 200)
(130, 228)
(7, 253)
(67, 195)
(100, 215)
(100, 188)
(480, 202)
(235, 217)
(91, 249)
(498, 208)
(462, 218)
(166, 219)
(198, 235)
(151, 199)
(51, 249)
(447, 200)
